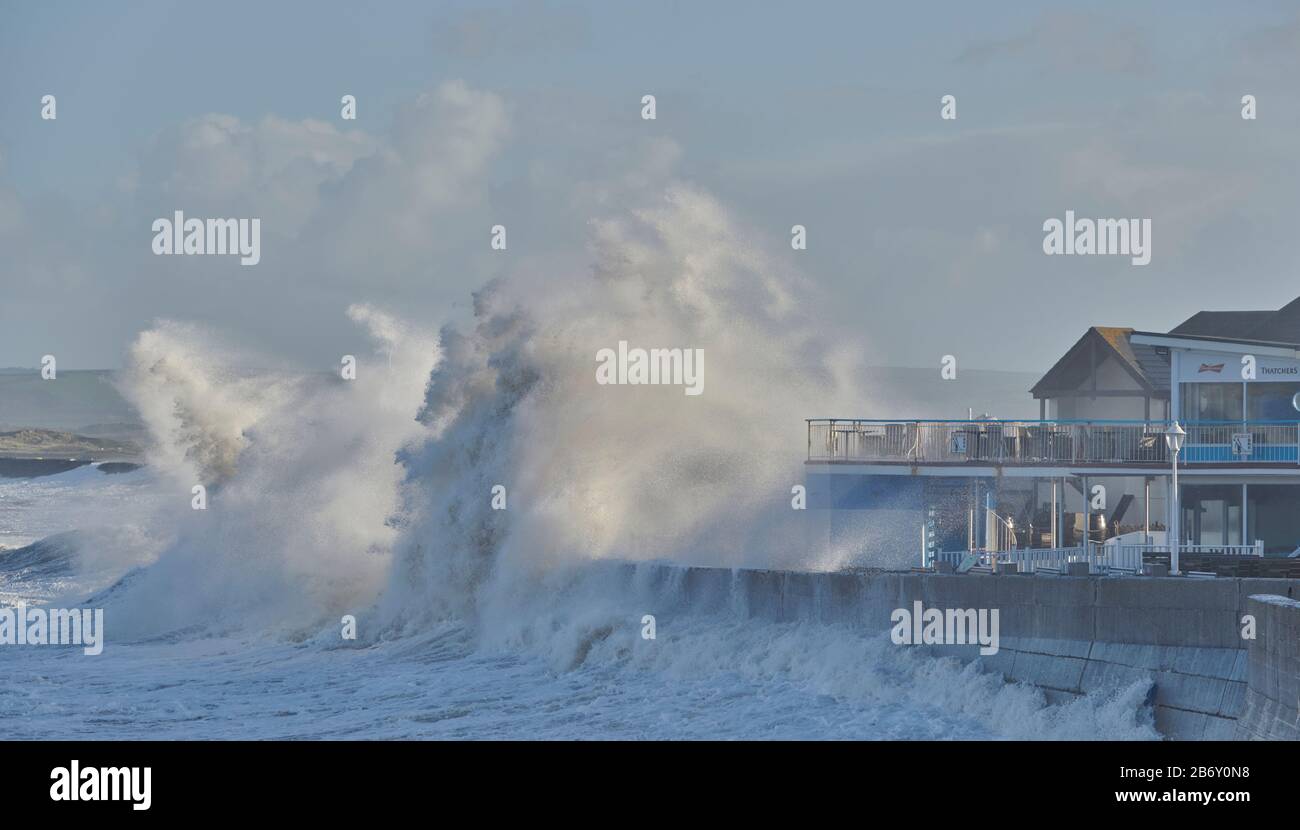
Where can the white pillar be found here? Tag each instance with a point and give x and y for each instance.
(1060, 511)
(1175, 392)
(1087, 517)
(1245, 526)
(1056, 528)
(1174, 541)
(1146, 509)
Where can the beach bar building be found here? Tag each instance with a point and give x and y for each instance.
(1092, 478)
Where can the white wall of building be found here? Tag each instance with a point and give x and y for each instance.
(1111, 376)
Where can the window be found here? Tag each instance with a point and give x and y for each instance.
(1271, 401)
(1212, 401)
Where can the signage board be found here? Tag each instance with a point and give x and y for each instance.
(1226, 367)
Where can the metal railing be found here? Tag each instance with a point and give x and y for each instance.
(1050, 442)
(1027, 560)
(1256, 549)
(999, 531)
(1101, 558)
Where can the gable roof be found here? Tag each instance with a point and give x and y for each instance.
(1144, 364)
(1150, 368)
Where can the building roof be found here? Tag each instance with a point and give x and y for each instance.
(1149, 367)
(1143, 363)
(1154, 365)
(1281, 326)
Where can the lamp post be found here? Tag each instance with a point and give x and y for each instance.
(1174, 441)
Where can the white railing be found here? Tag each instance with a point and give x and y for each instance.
(1050, 442)
(1101, 558)
(1256, 549)
(1027, 560)
(1125, 557)
(999, 532)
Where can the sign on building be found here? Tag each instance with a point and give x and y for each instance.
(1243, 443)
(1226, 367)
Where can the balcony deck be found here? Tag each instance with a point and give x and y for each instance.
(1097, 443)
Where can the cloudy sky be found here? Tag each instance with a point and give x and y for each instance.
(924, 235)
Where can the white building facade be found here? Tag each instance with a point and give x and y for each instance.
(1094, 469)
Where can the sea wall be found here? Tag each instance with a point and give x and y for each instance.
(1272, 704)
(1066, 635)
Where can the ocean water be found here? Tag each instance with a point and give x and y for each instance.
(34, 508)
(706, 675)
(431, 686)
(458, 498)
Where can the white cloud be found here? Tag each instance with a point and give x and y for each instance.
(274, 169)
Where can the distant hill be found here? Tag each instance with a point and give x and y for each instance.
(77, 401)
(922, 394)
(86, 404)
(51, 444)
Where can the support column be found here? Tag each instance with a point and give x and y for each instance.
(1245, 526)
(1060, 512)
(1169, 513)
(1056, 528)
(1087, 515)
(1173, 532)
(990, 528)
(970, 519)
(1146, 509)
(1175, 388)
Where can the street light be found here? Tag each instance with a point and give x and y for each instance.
(1174, 437)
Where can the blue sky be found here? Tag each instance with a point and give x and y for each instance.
(924, 235)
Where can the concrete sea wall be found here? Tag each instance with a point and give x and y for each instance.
(1272, 705)
(1066, 635)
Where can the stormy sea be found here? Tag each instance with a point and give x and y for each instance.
(417, 551)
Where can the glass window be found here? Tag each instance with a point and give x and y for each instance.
(1212, 401)
(1271, 401)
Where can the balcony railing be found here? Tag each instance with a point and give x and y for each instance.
(1100, 558)
(1050, 442)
